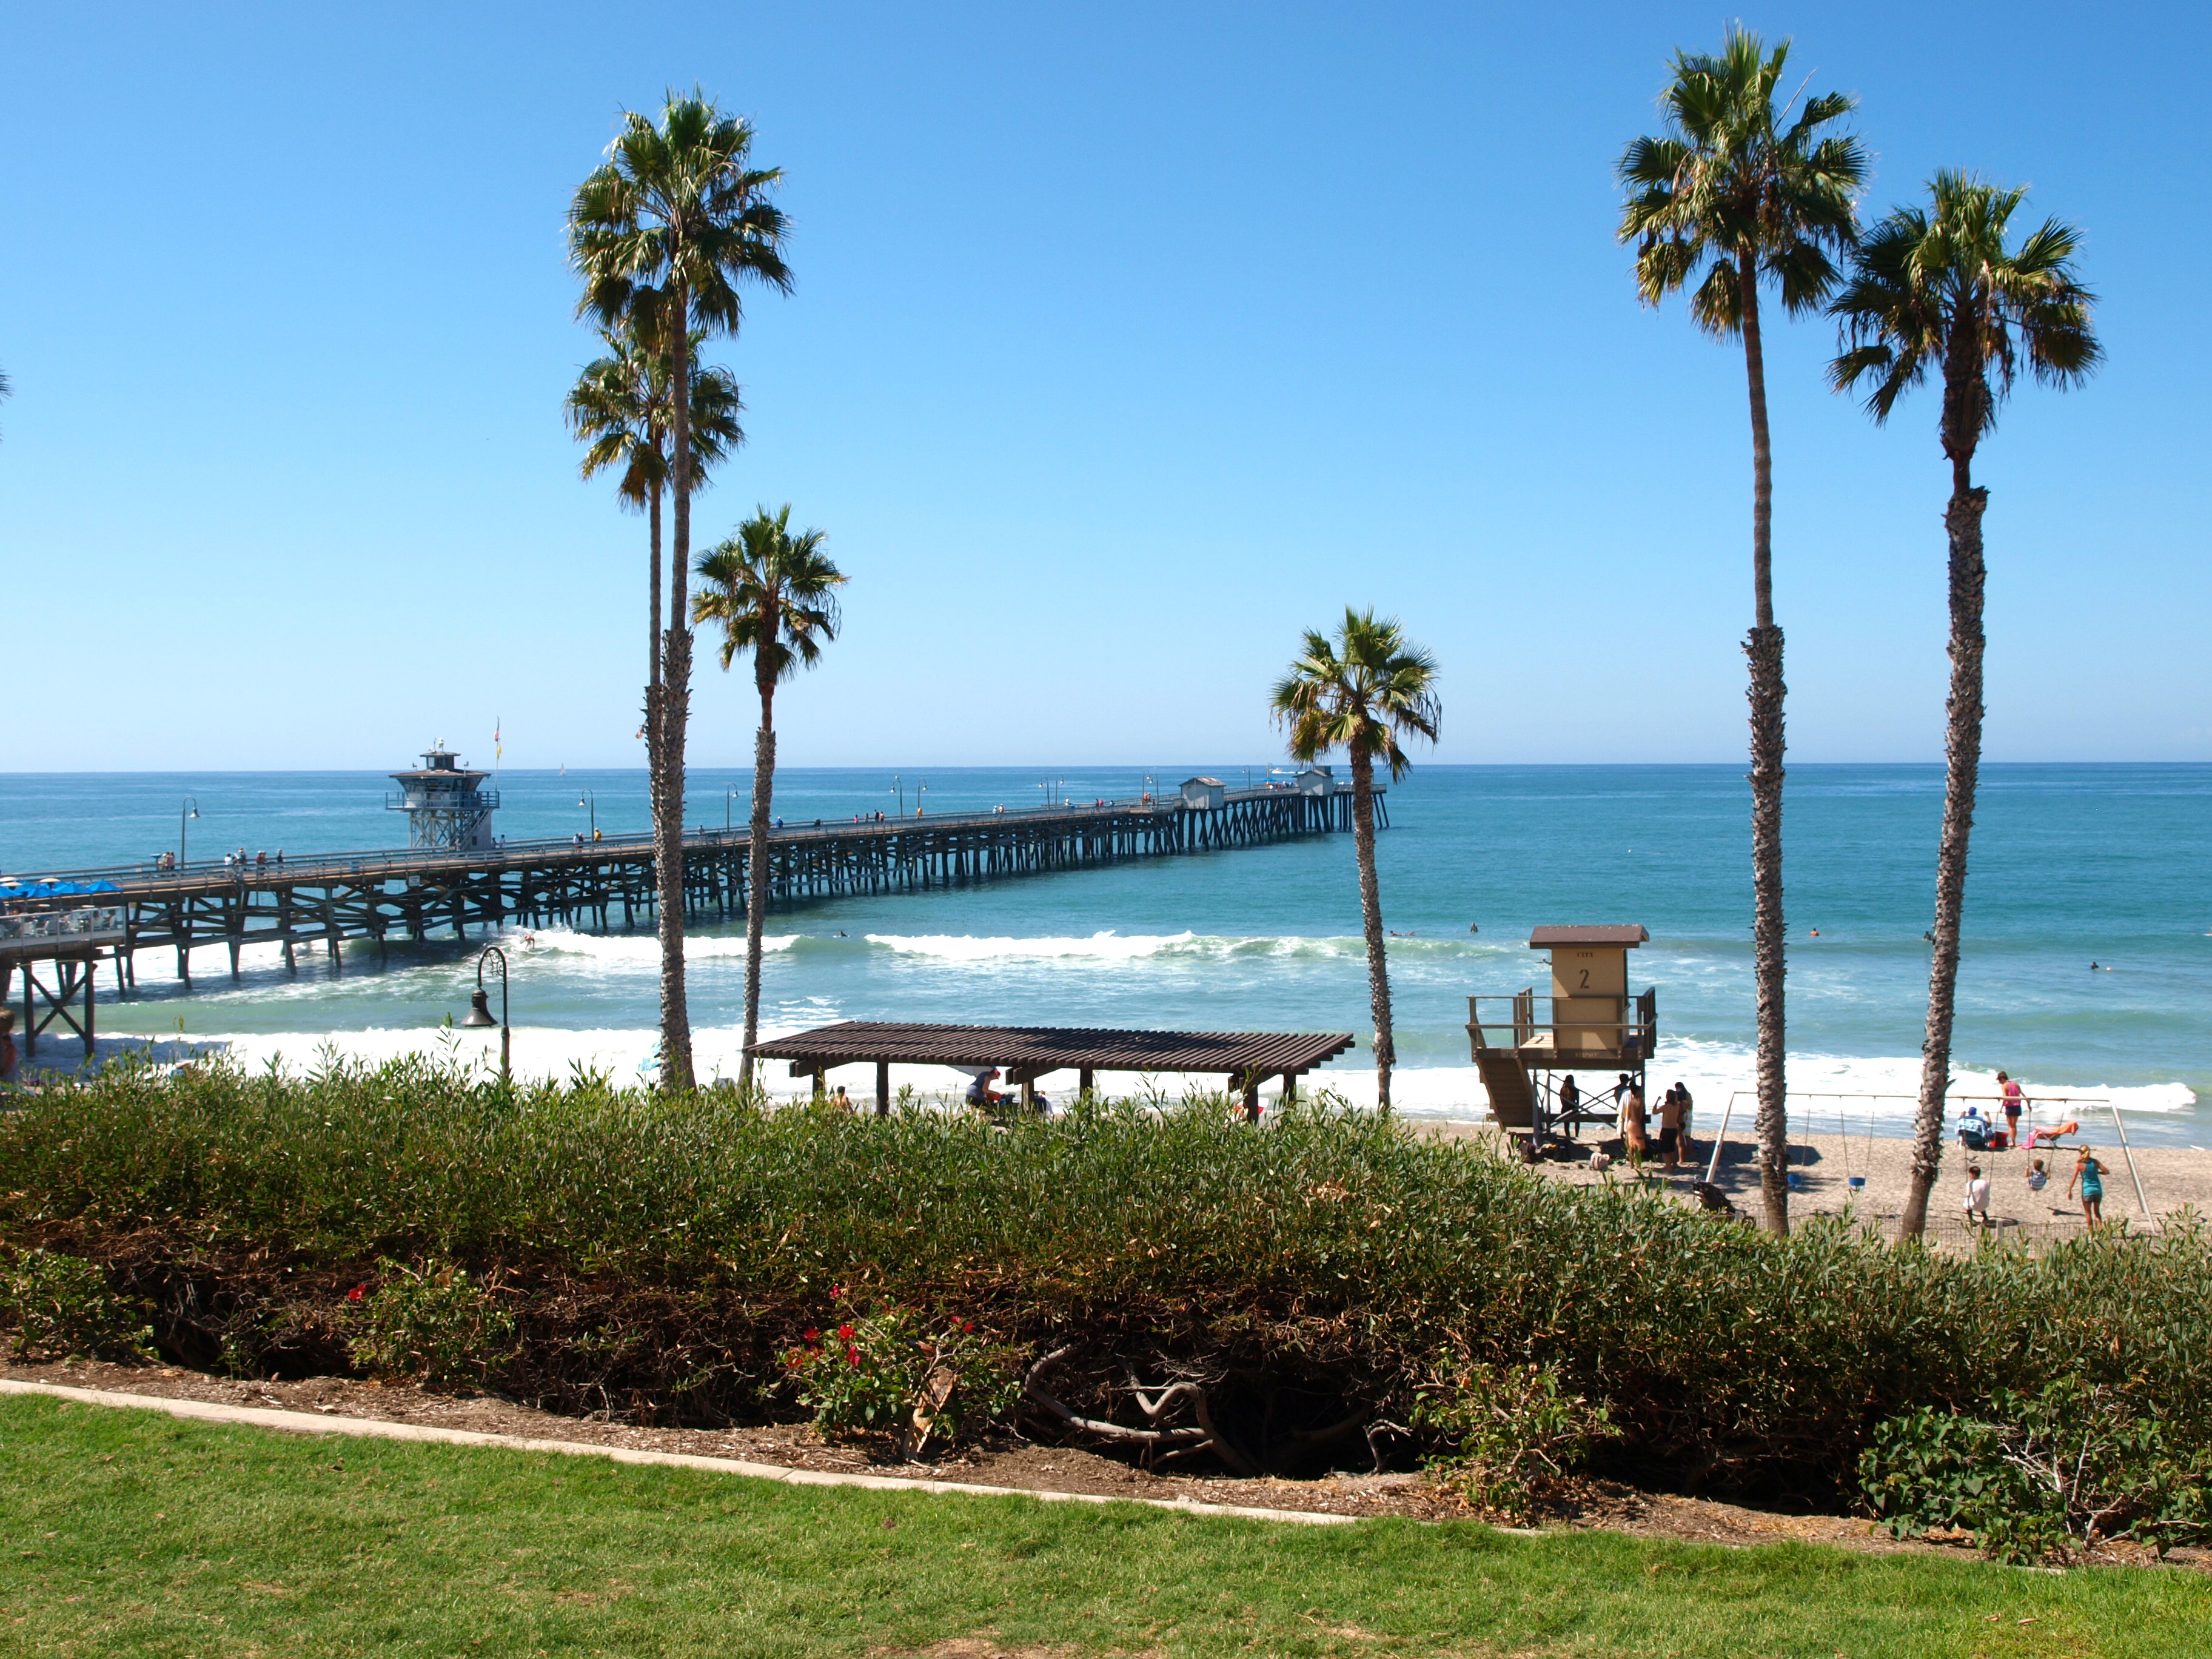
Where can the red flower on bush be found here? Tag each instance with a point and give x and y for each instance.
(356, 1292)
(852, 1356)
(836, 1289)
(967, 1325)
(845, 1333)
(810, 1336)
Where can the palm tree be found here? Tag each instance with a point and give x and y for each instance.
(1361, 692)
(775, 595)
(665, 233)
(1728, 200)
(619, 407)
(1937, 287)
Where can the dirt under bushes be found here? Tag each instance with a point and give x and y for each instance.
(656, 1259)
(998, 1461)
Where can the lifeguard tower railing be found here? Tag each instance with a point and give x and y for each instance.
(1527, 1025)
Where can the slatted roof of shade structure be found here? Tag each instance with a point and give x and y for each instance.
(1026, 1053)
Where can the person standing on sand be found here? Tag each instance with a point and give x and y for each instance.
(2014, 1102)
(1635, 1129)
(7, 1047)
(1670, 1127)
(1570, 1097)
(2091, 1175)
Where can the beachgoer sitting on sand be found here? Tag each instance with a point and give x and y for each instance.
(981, 1093)
(1973, 1129)
(1977, 1196)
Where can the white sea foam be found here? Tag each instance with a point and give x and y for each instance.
(1099, 947)
(1111, 946)
(629, 951)
(1827, 1092)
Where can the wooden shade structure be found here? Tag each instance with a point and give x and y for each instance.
(1026, 1053)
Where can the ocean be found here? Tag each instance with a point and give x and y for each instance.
(2072, 865)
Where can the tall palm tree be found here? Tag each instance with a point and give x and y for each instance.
(669, 229)
(775, 595)
(1728, 200)
(1937, 288)
(619, 407)
(1361, 692)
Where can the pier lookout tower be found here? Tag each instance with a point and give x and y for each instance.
(448, 808)
(1527, 1046)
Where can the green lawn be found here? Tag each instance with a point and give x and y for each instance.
(127, 1532)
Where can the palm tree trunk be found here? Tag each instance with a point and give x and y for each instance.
(1763, 648)
(675, 711)
(1962, 750)
(756, 868)
(653, 626)
(1370, 916)
(654, 643)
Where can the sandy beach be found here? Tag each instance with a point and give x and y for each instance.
(2172, 1178)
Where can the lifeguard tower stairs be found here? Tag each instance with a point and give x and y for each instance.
(1589, 1028)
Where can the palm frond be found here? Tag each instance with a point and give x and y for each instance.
(1361, 691)
(773, 592)
(1938, 285)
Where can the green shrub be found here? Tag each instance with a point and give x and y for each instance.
(2039, 1477)
(1510, 1437)
(894, 1372)
(434, 1324)
(60, 1306)
(1313, 1266)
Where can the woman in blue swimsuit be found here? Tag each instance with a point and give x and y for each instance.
(2091, 1175)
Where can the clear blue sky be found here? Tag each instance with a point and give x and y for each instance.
(1127, 340)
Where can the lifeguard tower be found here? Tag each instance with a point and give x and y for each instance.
(1525, 1046)
(448, 808)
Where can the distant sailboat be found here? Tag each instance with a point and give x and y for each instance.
(564, 768)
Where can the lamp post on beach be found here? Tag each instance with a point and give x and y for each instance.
(190, 809)
(479, 1015)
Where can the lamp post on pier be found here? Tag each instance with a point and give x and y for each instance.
(590, 798)
(728, 795)
(479, 1015)
(190, 809)
(898, 788)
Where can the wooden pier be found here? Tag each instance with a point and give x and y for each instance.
(419, 894)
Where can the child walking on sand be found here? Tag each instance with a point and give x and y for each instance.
(1977, 1196)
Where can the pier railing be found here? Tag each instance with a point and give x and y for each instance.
(311, 867)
